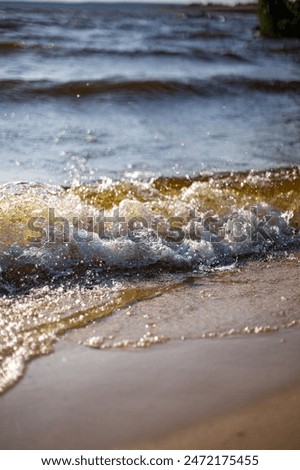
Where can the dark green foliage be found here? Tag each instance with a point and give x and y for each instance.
(279, 18)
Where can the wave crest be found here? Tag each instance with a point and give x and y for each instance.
(50, 233)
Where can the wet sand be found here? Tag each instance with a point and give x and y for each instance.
(221, 393)
(239, 391)
(271, 423)
(252, 298)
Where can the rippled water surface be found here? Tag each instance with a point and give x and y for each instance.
(94, 90)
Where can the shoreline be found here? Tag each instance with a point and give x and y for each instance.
(162, 397)
(203, 391)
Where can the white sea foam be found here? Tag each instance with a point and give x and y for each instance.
(38, 243)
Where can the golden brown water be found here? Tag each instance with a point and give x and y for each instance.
(50, 287)
(220, 193)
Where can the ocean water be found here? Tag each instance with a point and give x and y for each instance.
(141, 146)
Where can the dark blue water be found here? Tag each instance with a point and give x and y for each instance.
(109, 90)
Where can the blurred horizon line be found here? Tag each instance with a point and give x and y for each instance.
(161, 2)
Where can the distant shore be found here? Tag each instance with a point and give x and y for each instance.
(239, 8)
(209, 7)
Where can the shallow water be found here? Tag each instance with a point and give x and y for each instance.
(160, 146)
(70, 257)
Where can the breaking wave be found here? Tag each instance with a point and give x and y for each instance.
(49, 232)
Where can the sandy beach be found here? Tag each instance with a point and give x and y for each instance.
(238, 392)
(208, 394)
